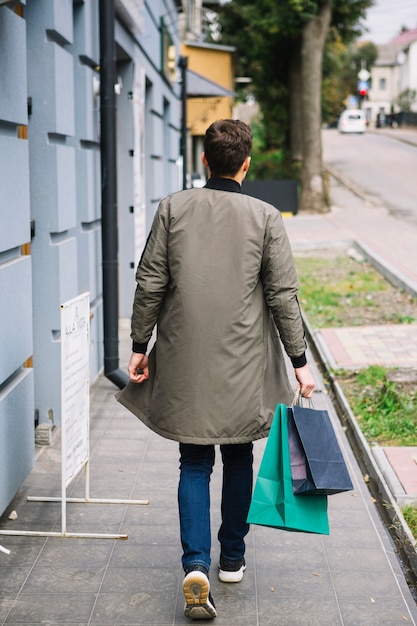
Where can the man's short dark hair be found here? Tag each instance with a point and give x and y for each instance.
(227, 143)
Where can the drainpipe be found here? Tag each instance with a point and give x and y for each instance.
(183, 64)
(109, 231)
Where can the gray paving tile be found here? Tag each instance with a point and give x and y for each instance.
(6, 604)
(357, 560)
(28, 524)
(384, 613)
(343, 518)
(58, 578)
(130, 580)
(284, 560)
(140, 608)
(76, 552)
(23, 550)
(14, 578)
(276, 610)
(365, 586)
(64, 608)
(38, 514)
(153, 534)
(156, 513)
(307, 583)
(346, 537)
(145, 556)
(99, 514)
(274, 538)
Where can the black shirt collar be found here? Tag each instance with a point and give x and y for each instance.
(223, 184)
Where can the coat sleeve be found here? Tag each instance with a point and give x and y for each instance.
(280, 286)
(152, 278)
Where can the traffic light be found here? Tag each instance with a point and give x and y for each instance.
(363, 87)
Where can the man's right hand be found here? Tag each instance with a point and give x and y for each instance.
(138, 367)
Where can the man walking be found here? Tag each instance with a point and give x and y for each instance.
(218, 281)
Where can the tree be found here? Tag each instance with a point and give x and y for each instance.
(406, 99)
(341, 65)
(280, 45)
(314, 33)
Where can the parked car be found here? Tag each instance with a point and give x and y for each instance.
(386, 119)
(195, 180)
(352, 121)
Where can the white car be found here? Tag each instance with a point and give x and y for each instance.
(352, 121)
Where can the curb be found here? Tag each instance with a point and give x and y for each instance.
(395, 487)
(353, 187)
(410, 142)
(392, 275)
(383, 482)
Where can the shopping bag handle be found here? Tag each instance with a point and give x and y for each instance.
(299, 400)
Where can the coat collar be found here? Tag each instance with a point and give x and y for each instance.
(223, 184)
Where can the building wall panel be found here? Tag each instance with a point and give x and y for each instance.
(15, 316)
(13, 97)
(89, 266)
(58, 18)
(86, 30)
(86, 104)
(88, 188)
(54, 289)
(63, 206)
(63, 92)
(14, 192)
(17, 435)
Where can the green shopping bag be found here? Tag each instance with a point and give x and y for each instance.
(274, 502)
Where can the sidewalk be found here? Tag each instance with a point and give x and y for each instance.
(352, 577)
(407, 134)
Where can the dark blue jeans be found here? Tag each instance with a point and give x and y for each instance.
(196, 466)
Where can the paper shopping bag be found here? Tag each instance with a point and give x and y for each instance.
(274, 502)
(317, 463)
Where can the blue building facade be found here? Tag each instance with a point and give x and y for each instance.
(50, 188)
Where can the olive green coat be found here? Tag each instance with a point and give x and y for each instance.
(216, 273)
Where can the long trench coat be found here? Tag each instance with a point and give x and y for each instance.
(217, 279)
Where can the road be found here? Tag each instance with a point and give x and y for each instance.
(381, 169)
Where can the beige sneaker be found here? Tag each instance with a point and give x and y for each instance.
(198, 601)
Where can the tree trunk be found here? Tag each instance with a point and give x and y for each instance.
(313, 39)
(296, 89)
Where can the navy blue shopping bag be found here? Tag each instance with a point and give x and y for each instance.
(317, 463)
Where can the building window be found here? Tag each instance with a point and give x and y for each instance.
(167, 53)
(382, 84)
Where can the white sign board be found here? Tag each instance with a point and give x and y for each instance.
(75, 385)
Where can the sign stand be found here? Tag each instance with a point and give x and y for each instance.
(75, 418)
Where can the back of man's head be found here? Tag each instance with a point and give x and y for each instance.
(227, 143)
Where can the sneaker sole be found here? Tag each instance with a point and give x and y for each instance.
(231, 577)
(196, 588)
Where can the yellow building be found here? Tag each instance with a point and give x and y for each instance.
(210, 96)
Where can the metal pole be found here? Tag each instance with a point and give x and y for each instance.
(109, 230)
(182, 64)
